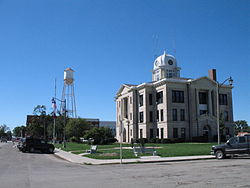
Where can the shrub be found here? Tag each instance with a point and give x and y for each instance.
(154, 140)
(74, 139)
(200, 139)
(165, 141)
(102, 135)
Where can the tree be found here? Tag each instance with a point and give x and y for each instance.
(3, 130)
(76, 128)
(40, 110)
(102, 135)
(35, 127)
(9, 135)
(19, 131)
(241, 126)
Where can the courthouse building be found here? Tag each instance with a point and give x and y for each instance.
(173, 107)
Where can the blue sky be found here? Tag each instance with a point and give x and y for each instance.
(112, 42)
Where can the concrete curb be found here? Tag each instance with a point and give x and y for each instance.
(151, 159)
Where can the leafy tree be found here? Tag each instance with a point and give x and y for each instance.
(3, 130)
(77, 128)
(102, 135)
(59, 127)
(40, 110)
(241, 126)
(35, 127)
(19, 131)
(9, 135)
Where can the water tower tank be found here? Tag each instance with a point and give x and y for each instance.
(68, 76)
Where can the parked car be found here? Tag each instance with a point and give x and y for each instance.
(235, 146)
(3, 139)
(31, 144)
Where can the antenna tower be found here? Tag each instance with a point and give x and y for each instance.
(156, 45)
(68, 94)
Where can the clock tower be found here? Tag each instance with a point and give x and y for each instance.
(165, 66)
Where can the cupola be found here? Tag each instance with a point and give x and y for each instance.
(165, 66)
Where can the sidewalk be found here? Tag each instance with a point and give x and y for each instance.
(149, 159)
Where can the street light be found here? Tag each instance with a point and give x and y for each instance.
(64, 122)
(218, 105)
(121, 138)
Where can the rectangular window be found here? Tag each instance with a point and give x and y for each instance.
(150, 99)
(157, 133)
(203, 112)
(162, 132)
(130, 100)
(177, 96)
(151, 135)
(141, 133)
(182, 115)
(242, 139)
(141, 100)
(159, 97)
(130, 116)
(141, 117)
(213, 104)
(183, 133)
(174, 114)
(175, 132)
(223, 99)
(162, 117)
(125, 102)
(226, 116)
(157, 115)
(151, 116)
(203, 98)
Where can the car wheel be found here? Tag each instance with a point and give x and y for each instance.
(32, 150)
(219, 154)
(50, 150)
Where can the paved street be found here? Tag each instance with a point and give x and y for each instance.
(24, 170)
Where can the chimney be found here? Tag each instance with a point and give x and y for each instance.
(212, 74)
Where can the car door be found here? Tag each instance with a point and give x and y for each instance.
(37, 144)
(231, 146)
(242, 145)
(248, 143)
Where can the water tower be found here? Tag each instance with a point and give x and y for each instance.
(68, 94)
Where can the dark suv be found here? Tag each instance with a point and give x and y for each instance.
(3, 139)
(31, 144)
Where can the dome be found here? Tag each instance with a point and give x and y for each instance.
(165, 66)
(165, 60)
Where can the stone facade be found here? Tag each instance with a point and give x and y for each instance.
(172, 107)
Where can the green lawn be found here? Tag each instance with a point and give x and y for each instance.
(166, 150)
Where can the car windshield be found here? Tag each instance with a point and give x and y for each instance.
(232, 140)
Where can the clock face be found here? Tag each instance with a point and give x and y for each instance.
(170, 62)
(157, 63)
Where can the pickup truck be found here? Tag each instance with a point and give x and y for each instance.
(235, 146)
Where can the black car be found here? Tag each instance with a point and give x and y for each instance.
(3, 139)
(235, 146)
(31, 144)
